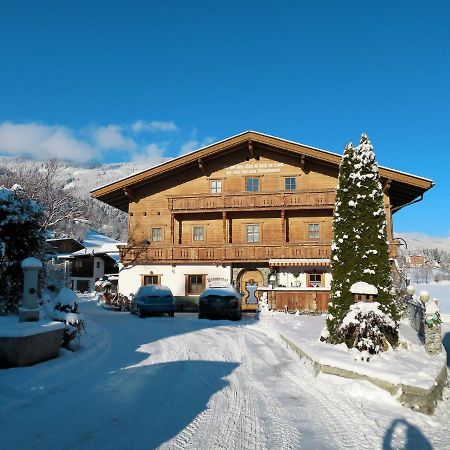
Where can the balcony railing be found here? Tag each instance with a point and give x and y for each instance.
(253, 200)
(221, 253)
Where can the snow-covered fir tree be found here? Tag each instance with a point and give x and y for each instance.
(360, 249)
(343, 246)
(20, 237)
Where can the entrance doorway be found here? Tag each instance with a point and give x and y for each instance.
(250, 281)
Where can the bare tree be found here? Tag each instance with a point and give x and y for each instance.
(43, 184)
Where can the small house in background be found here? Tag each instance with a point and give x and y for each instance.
(84, 262)
(417, 260)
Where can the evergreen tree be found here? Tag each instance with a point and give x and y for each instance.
(20, 237)
(372, 244)
(360, 249)
(343, 247)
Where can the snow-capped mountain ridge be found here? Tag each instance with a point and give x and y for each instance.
(418, 241)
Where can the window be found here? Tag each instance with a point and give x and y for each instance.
(252, 184)
(156, 234)
(98, 264)
(151, 279)
(290, 183)
(198, 233)
(79, 263)
(252, 233)
(313, 231)
(216, 186)
(195, 284)
(314, 280)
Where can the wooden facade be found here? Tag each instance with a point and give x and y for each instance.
(241, 203)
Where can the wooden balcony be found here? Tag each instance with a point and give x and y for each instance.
(220, 254)
(318, 199)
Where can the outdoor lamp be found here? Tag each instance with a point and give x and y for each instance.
(410, 290)
(424, 296)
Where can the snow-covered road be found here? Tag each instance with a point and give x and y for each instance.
(197, 384)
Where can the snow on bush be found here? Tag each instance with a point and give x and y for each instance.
(368, 329)
(62, 305)
(20, 237)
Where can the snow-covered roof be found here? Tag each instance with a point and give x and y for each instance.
(362, 287)
(96, 243)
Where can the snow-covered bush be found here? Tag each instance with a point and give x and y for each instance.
(61, 304)
(367, 328)
(20, 238)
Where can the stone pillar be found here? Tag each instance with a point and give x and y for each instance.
(29, 311)
(432, 328)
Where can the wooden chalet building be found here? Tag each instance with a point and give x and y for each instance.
(251, 209)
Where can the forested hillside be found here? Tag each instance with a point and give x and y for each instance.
(64, 190)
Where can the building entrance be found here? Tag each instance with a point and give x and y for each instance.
(250, 281)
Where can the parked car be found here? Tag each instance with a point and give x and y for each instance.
(153, 299)
(220, 302)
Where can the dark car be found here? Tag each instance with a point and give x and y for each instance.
(220, 302)
(153, 299)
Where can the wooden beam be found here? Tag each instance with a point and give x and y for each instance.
(251, 153)
(172, 229)
(387, 185)
(180, 230)
(128, 192)
(302, 161)
(230, 231)
(201, 165)
(224, 226)
(283, 224)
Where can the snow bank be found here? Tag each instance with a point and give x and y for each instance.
(11, 327)
(410, 366)
(439, 291)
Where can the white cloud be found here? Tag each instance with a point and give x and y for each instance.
(152, 154)
(195, 144)
(111, 137)
(153, 126)
(40, 141)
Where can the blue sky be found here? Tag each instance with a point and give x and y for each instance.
(120, 81)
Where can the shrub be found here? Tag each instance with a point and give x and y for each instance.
(367, 328)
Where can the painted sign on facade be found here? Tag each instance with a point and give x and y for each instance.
(254, 168)
(217, 281)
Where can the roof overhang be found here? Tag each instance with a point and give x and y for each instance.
(404, 188)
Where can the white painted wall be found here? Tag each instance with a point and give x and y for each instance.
(100, 271)
(173, 277)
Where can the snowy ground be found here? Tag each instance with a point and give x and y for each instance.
(441, 291)
(199, 384)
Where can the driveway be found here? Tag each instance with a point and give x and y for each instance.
(187, 383)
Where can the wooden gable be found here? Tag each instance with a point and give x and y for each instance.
(250, 154)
